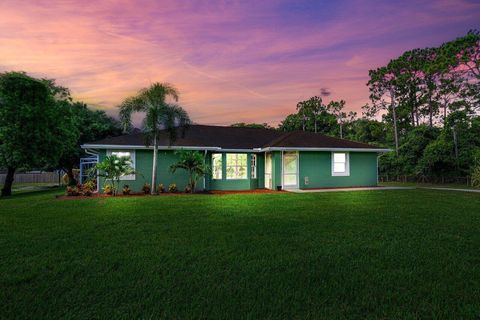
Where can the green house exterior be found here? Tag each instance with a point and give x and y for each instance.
(317, 162)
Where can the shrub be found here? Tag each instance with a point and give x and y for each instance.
(188, 189)
(146, 188)
(88, 188)
(108, 189)
(72, 191)
(172, 188)
(161, 188)
(476, 177)
(126, 190)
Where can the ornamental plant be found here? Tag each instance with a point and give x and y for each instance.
(146, 188)
(88, 187)
(161, 188)
(113, 168)
(172, 188)
(126, 190)
(193, 162)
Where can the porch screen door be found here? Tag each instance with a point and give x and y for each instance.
(268, 171)
(290, 170)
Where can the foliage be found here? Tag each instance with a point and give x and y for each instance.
(172, 188)
(73, 191)
(35, 128)
(252, 125)
(88, 188)
(107, 189)
(476, 176)
(193, 162)
(161, 188)
(146, 188)
(91, 126)
(160, 115)
(113, 168)
(126, 190)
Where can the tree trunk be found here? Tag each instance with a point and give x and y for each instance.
(7, 186)
(71, 177)
(455, 142)
(394, 114)
(341, 131)
(154, 165)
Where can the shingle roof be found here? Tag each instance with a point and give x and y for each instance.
(238, 138)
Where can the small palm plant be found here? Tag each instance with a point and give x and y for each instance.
(194, 163)
(113, 168)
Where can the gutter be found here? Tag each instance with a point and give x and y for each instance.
(219, 149)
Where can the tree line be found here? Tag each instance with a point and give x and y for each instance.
(424, 105)
(42, 127)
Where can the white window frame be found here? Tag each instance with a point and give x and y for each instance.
(128, 177)
(346, 173)
(221, 166)
(253, 166)
(236, 166)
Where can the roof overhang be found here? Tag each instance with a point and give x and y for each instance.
(267, 149)
(325, 149)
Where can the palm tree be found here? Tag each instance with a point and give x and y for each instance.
(159, 115)
(194, 163)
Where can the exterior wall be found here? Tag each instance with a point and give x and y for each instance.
(317, 166)
(143, 169)
(234, 184)
(276, 169)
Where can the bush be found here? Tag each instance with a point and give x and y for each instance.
(88, 188)
(188, 189)
(126, 190)
(161, 188)
(476, 177)
(72, 191)
(108, 189)
(172, 188)
(146, 188)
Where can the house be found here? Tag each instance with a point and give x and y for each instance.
(249, 158)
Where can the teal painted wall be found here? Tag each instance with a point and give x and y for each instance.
(237, 184)
(143, 169)
(277, 169)
(314, 165)
(317, 166)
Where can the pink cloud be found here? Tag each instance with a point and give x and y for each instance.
(232, 61)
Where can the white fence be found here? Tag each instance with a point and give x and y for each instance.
(40, 177)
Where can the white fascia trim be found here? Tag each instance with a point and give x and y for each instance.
(115, 146)
(326, 149)
(130, 147)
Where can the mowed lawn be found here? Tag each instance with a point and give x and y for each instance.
(375, 254)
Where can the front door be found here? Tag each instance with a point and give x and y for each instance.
(290, 170)
(268, 170)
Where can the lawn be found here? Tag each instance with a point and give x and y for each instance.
(365, 254)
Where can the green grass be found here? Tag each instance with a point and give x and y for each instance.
(427, 185)
(375, 254)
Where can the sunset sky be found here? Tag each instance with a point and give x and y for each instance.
(232, 61)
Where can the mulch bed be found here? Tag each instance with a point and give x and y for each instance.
(141, 194)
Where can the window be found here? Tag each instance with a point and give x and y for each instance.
(254, 166)
(125, 154)
(340, 164)
(236, 166)
(217, 166)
